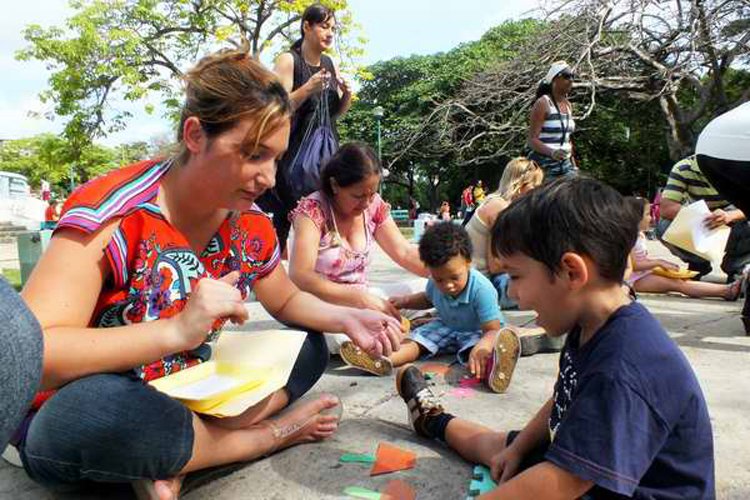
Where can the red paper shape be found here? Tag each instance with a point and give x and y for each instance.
(439, 368)
(389, 458)
(469, 383)
(399, 490)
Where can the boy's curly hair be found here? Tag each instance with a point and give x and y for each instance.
(443, 241)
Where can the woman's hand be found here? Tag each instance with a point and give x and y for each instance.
(505, 464)
(318, 82)
(344, 86)
(370, 301)
(374, 332)
(559, 154)
(211, 300)
(669, 266)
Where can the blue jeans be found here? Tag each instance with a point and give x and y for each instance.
(20, 360)
(553, 169)
(114, 428)
(501, 282)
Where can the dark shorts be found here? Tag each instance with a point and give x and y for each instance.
(114, 428)
(535, 457)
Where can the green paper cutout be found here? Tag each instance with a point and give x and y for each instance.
(358, 492)
(364, 458)
(481, 482)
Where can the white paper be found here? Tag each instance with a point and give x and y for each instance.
(206, 388)
(689, 232)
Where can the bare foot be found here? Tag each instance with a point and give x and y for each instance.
(304, 423)
(168, 489)
(160, 489)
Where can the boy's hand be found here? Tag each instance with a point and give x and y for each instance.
(479, 356)
(505, 464)
(398, 302)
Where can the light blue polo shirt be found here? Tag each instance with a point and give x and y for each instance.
(475, 306)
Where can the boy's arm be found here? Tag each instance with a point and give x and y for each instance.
(481, 352)
(545, 480)
(417, 300)
(505, 464)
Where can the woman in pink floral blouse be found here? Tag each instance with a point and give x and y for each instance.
(336, 227)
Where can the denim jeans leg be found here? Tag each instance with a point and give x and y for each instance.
(309, 367)
(20, 360)
(107, 428)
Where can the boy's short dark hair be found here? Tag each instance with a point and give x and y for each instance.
(578, 215)
(443, 241)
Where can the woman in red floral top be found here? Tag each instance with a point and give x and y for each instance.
(160, 254)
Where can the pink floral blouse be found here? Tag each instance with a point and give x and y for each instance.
(337, 261)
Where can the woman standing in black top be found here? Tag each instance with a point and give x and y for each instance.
(309, 76)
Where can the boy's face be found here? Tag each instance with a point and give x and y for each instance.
(533, 288)
(451, 277)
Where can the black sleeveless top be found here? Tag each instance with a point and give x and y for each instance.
(306, 111)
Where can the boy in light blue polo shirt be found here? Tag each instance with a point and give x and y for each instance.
(469, 321)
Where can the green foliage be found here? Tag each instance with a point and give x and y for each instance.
(408, 88)
(137, 49)
(51, 157)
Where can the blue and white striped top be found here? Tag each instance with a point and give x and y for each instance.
(557, 127)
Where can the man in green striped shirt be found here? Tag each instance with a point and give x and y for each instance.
(687, 184)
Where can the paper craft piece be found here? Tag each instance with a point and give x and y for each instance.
(469, 382)
(389, 458)
(399, 490)
(258, 364)
(682, 274)
(481, 482)
(359, 492)
(689, 232)
(365, 458)
(438, 368)
(462, 392)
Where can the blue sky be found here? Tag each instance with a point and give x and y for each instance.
(393, 28)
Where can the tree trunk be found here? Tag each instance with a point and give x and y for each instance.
(680, 136)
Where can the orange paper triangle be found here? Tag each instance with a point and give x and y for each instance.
(389, 458)
(439, 368)
(399, 490)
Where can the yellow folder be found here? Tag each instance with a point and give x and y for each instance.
(245, 368)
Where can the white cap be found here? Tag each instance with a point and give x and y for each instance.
(554, 70)
(727, 137)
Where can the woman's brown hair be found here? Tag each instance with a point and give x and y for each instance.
(228, 86)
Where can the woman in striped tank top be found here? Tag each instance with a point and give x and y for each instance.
(551, 124)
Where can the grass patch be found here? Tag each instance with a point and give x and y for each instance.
(13, 276)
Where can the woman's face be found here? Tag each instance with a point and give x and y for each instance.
(233, 173)
(563, 82)
(321, 35)
(355, 199)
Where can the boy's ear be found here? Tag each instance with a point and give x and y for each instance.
(573, 267)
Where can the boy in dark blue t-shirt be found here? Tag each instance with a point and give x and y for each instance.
(627, 417)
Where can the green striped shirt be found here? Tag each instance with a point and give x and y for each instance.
(687, 184)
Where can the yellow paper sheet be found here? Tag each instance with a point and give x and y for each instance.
(265, 360)
(688, 232)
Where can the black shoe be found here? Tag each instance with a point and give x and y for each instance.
(702, 269)
(421, 402)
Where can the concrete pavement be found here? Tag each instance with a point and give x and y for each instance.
(708, 331)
